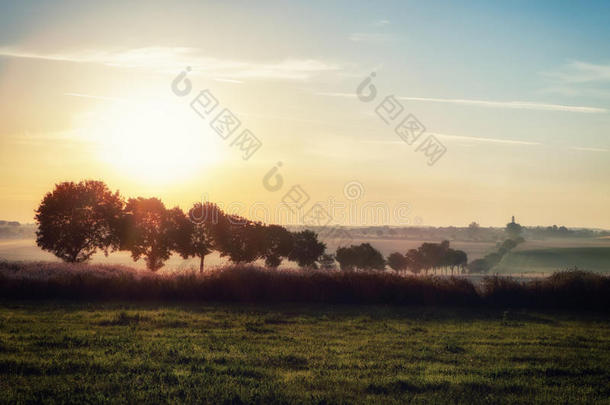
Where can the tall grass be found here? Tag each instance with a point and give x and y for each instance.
(247, 283)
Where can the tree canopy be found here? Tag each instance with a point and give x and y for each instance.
(76, 219)
(363, 256)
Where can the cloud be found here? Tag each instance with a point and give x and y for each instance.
(169, 60)
(484, 140)
(370, 37)
(586, 149)
(581, 72)
(521, 105)
(104, 98)
(381, 23)
(469, 139)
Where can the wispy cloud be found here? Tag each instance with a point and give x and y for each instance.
(586, 149)
(168, 59)
(465, 138)
(82, 95)
(381, 23)
(485, 140)
(581, 72)
(371, 37)
(521, 105)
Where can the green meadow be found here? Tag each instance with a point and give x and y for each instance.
(57, 352)
(549, 260)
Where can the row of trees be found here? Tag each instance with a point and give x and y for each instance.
(485, 264)
(429, 256)
(77, 219)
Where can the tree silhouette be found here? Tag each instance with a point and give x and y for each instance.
(363, 256)
(414, 261)
(197, 235)
(241, 240)
(473, 230)
(76, 219)
(277, 244)
(432, 254)
(479, 266)
(397, 261)
(455, 258)
(307, 249)
(148, 230)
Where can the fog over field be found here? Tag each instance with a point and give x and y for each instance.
(555, 254)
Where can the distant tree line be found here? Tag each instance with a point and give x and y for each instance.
(541, 232)
(15, 230)
(429, 256)
(9, 223)
(473, 232)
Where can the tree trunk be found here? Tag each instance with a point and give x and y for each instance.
(202, 257)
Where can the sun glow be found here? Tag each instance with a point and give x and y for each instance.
(154, 142)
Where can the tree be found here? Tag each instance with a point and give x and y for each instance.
(76, 219)
(243, 241)
(277, 244)
(197, 235)
(493, 259)
(307, 249)
(473, 230)
(455, 258)
(432, 254)
(507, 246)
(148, 231)
(363, 256)
(479, 266)
(414, 261)
(397, 261)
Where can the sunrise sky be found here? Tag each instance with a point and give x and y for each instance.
(518, 93)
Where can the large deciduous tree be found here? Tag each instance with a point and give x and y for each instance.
(76, 219)
(363, 256)
(278, 243)
(414, 261)
(198, 234)
(148, 230)
(241, 240)
(307, 249)
(397, 261)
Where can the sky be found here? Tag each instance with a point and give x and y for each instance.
(516, 94)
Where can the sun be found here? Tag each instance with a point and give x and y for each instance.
(155, 142)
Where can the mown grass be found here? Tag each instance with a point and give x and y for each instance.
(295, 353)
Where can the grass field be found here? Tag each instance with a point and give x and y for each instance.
(549, 260)
(149, 353)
